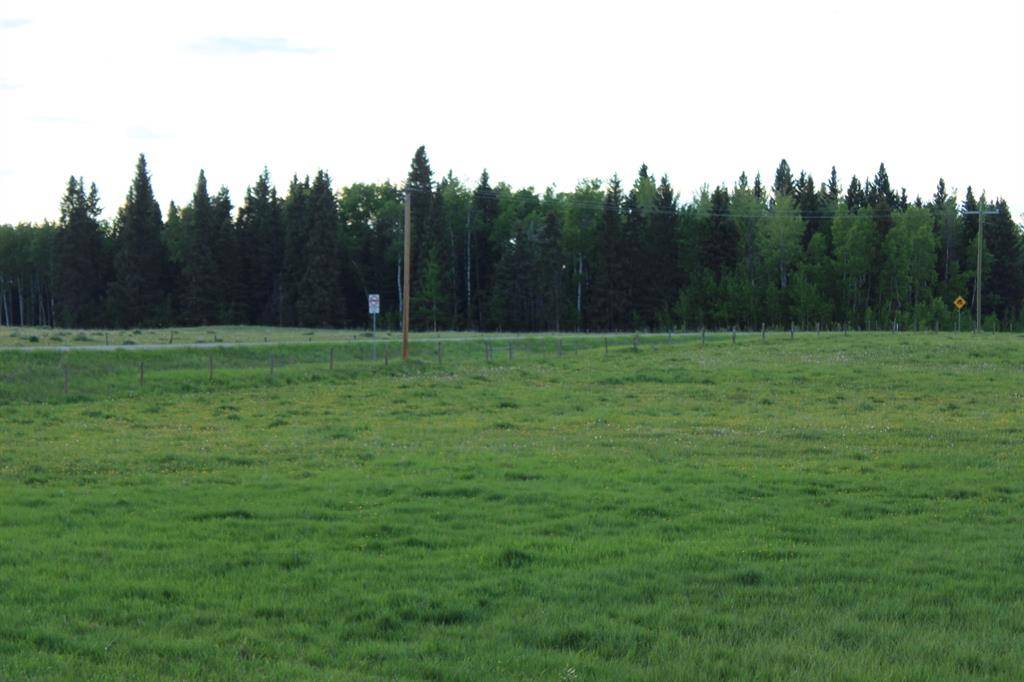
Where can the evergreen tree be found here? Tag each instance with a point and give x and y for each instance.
(637, 214)
(854, 196)
(1003, 273)
(882, 200)
(608, 268)
(320, 303)
(226, 254)
(81, 258)
(947, 229)
(718, 236)
(201, 288)
(806, 199)
(783, 180)
(835, 191)
(970, 232)
(425, 284)
(480, 256)
(660, 272)
(261, 243)
(296, 213)
(758, 187)
(550, 290)
(138, 294)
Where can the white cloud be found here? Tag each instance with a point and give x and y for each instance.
(6, 24)
(233, 45)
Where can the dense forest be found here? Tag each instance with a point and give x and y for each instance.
(606, 256)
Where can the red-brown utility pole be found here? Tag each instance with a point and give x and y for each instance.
(405, 274)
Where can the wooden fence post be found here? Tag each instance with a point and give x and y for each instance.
(142, 375)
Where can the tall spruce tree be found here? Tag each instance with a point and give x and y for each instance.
(783, 180)
(660, 273)
(296, 238)
(320, 303)
(947, 233)
(419, 184)
(1003, 274)
(835, 191)
(202, 286)
(854, 196)
(480, 256)
(806, 199)
(609, 268)
(758, 187)
(551, 267)
(81, 258)
(261, 242)
(138, 294)
(718, 237)
(882, 200)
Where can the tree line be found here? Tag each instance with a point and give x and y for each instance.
(605, 256)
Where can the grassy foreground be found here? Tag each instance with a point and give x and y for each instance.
(823, 508)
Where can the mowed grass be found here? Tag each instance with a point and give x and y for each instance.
(829, 507)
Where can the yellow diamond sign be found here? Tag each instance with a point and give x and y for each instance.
(959, 302)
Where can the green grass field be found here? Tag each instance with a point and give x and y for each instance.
(829, 507)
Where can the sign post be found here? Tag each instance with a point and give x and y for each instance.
(959, 303)
(374, 301)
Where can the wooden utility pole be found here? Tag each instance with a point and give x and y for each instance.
(981, 213)
(406, 258)
(977, 277)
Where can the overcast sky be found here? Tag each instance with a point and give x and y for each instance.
(539, 93)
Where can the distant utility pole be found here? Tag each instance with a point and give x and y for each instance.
(407, 257)
(981, 213)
